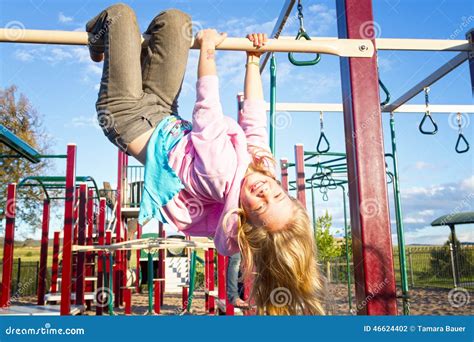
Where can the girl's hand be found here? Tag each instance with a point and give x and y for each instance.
(210, 36)
(258, 40)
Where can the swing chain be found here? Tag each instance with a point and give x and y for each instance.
(321, 121)
(461, 137)
(302, 34)
(300, 16)
(322, 137)
(427, 115)
(459, 121)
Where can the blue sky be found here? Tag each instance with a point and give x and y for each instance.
(62, 85)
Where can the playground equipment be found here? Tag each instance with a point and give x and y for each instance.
(451, 220)
(366, 167)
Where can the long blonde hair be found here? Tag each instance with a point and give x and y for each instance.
(282, 264)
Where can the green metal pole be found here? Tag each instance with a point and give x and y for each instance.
(150, 283)
(313, 206)
(348, 259)
(192, 280)
(272, 102)
(111, 291)
(399, 220)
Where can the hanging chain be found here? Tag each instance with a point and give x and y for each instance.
(321, 121)
(300, 15)
(459, 120)
(427, 100)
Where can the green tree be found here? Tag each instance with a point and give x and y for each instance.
(326, 243)
(18, 115)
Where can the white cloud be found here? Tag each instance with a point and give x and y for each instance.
(436, 235)
(468, 183)
(64, 19)
(421, 165)
(23, 55)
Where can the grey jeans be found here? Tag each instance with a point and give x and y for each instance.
(233, 276)
(140, 85)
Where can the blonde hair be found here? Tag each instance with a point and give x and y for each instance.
(282, 264)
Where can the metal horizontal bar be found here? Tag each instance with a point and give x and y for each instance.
(413, 44)
(280, 23)
(337, 108)
(422, 44)
(427, 81)
(18, 145)
(339, 47)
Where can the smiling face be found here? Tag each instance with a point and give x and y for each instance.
(265, 201)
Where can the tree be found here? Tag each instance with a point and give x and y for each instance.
(18, 115)
(326, 243)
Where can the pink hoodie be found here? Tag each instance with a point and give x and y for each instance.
(211, 162)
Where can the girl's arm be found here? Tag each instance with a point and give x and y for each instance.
(253, 119)
(253, 89)
(208, 40)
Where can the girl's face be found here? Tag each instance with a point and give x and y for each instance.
(265, 201)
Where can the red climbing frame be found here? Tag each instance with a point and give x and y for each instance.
(68, 230)
(43, 253)
(81, 239)
(300, 180)
(101, 242)
(55, 266)
(118, 268)
(370, 222)
(8, 244)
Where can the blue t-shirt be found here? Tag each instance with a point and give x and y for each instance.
(161, 183)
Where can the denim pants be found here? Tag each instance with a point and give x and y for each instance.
(140, 84)
(233, 276)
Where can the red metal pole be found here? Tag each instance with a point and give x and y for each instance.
(229, 308)
(55, 267)
(211, 281)
(127, 298)
(370, 221)
(90, 256)
(8, 244)
(137, 282)
(101, 242)
(68, 227)
(284, 173)
(118, 229)
(157, 289)
(300, 180)
(43, 253)
(206, 280)
(81, 258)
(221, 278)
(162, 263)
(184, 298)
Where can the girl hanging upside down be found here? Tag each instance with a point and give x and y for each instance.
(212, 177)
